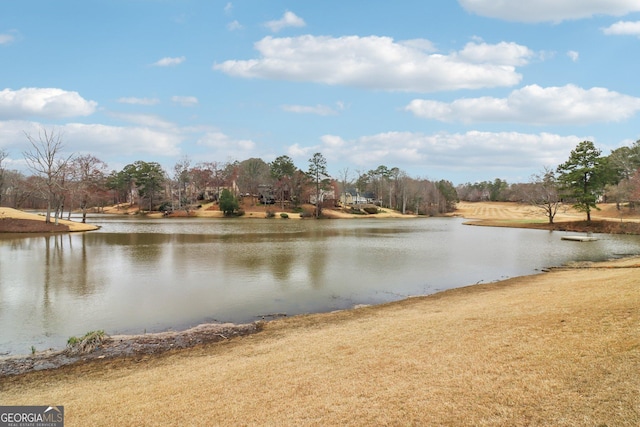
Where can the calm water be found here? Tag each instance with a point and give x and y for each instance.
(137, 275)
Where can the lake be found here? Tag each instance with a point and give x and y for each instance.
(138, 275)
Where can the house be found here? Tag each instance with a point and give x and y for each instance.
(353, 197)
(325, 195)
(265, 194)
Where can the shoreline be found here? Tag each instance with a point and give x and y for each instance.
(556, 348)
(560, 347)
(607, 220)
(134, 346)
(126, 346)
(17, 221)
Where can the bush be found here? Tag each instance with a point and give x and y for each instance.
(370, 209)
(165, 207)
(86, 344)
(284, 215)
(306, 213)
(270, 214)
(228, 203)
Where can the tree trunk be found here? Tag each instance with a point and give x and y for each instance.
(48, 217)
(84, 211)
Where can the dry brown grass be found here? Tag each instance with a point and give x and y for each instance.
(514, 212)
(560, 348)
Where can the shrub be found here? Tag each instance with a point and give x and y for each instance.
(370, 209)
(89, 342)
(165, 206)
(284, 215)
(228, 203)
(306, 213)
(269, 214)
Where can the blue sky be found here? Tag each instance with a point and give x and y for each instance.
(466, 90)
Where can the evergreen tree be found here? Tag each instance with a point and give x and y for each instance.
(583, 177)
(318, 174)
(228, 202)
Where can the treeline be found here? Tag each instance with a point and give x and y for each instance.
(84, 182)
(585, 179)
(619, 172)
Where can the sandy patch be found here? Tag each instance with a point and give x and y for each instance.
(14, 213)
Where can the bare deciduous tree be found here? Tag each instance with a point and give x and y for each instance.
(89, 175)
(252, 173)
(182, 177)
(3, 155)
(544, 193)
(345, 181)
(45, 160)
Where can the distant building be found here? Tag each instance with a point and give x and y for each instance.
(353, 197)
(266, 195)
(325, 195)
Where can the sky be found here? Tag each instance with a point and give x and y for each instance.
(462, 90)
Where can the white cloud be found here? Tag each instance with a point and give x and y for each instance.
(139, 101)
(573, 55)
(535, 105)
(623, 28)
(105, 142)
(43, 102)
(549, 10)
(220, 140)
(420, 44)
(320, 110)
(6, 38)
(502, 53)
(234, 26)
(226, 147)
(289, 19)
(513, 153)
(228, 8)
(126, 141)
(185, 101)
(381, 63)
(145, 120)
(169, 62)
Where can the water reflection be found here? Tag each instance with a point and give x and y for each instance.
(134, 275)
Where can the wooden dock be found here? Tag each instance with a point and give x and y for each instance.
(579, 238)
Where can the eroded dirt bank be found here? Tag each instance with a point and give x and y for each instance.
(128, 346)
